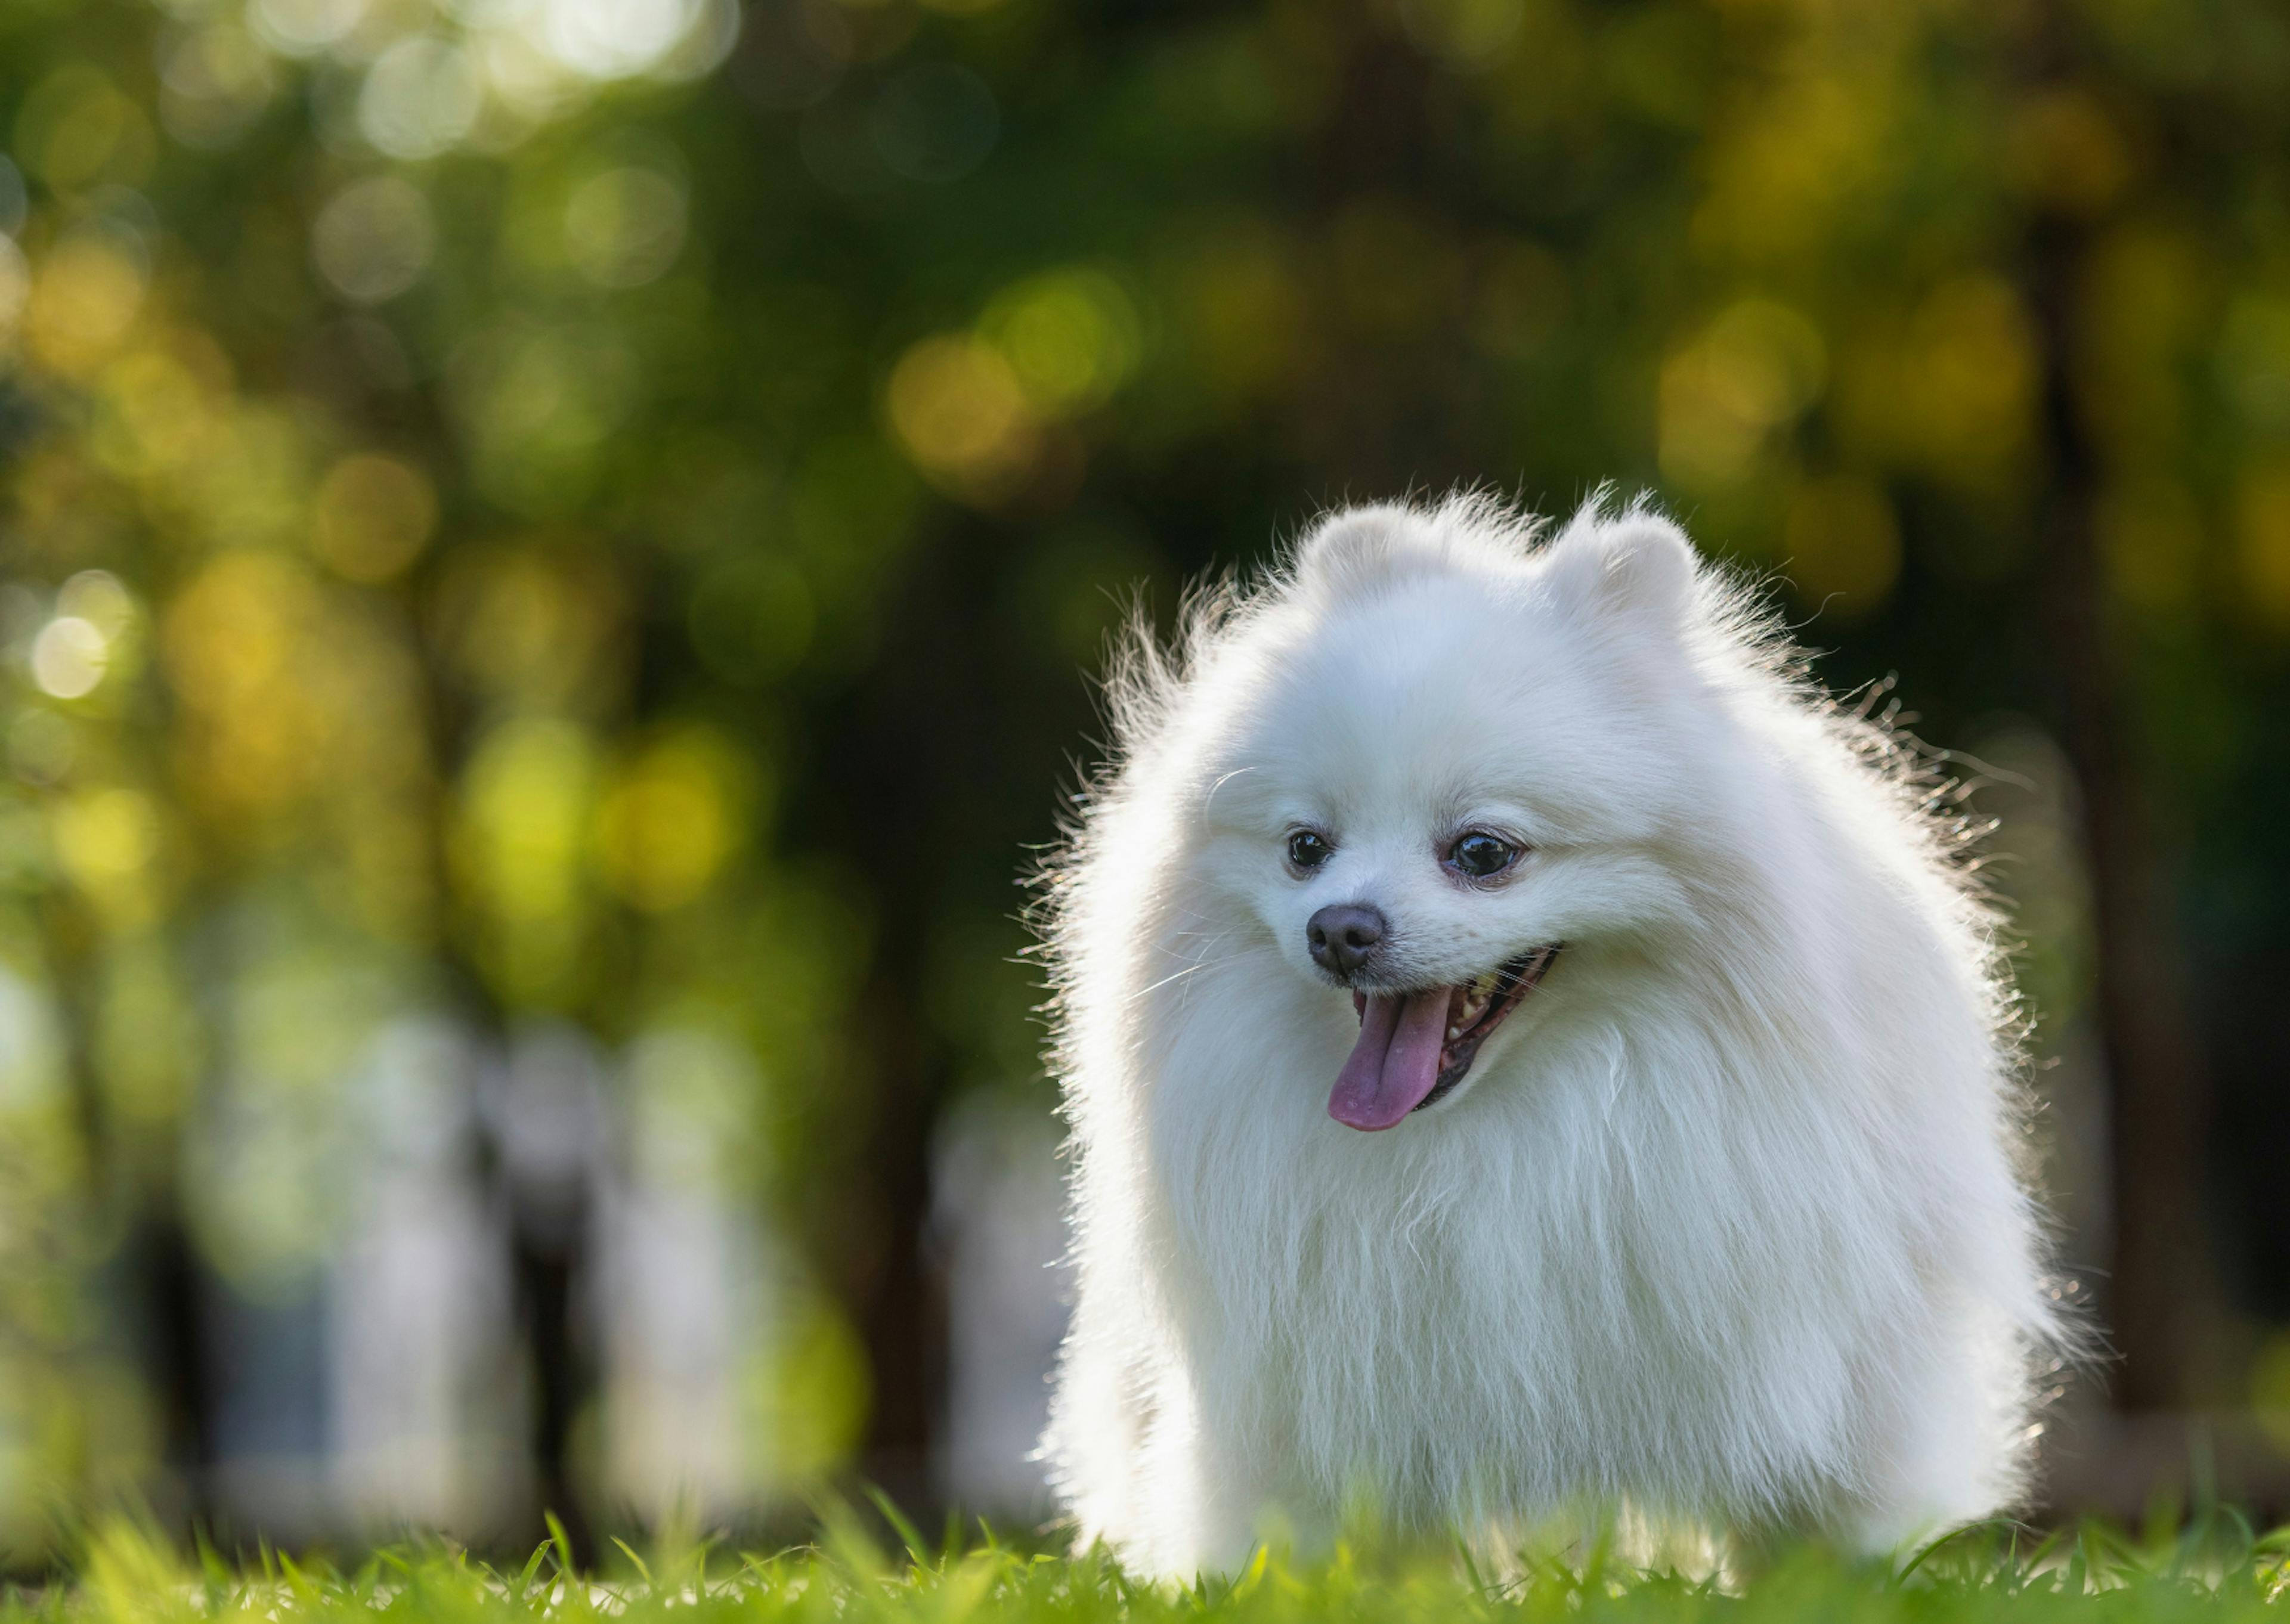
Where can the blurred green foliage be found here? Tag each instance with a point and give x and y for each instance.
(596, 509)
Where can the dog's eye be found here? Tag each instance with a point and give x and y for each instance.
(1308, 851)
(1482, 855)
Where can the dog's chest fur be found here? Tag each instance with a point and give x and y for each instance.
(1593, 1275)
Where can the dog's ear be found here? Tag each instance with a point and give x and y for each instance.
(1634, 562)
(1357, 549)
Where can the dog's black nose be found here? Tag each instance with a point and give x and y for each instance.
(1344, 936)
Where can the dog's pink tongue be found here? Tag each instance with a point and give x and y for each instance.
(1394, 1064)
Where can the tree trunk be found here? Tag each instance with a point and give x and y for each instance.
(2159, 1301)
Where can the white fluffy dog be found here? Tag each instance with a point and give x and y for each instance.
(1526, 1050)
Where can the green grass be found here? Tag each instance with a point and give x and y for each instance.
(2219, 1571)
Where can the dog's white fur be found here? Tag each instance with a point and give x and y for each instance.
(1727, 1223)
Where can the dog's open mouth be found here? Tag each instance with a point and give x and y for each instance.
(1415, 1047)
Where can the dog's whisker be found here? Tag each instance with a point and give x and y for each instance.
(1192, 969)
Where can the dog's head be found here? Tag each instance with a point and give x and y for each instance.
(1446, 755)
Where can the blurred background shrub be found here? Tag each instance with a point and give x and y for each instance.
(552, 548)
